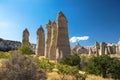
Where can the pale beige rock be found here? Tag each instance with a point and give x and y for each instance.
(102, 48)
(40, 45)
(118, 47)
(25, 37)
(90, 51)
(63, 45)
(111, 48)
(97, 46)
(106, 51)
(53, 42)
(48, 40)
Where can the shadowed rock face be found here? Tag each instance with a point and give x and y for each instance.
(7, 45)
(63, 45)
(25, 37)
(40, 46)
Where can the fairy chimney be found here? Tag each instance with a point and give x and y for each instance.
(40, 45)
(48, 40)
(63, 45)
(53, 41)
(25, 37)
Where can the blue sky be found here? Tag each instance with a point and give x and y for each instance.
(98, 20)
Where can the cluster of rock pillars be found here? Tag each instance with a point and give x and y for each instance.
(56, 44)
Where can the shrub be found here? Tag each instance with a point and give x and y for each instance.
(65, 70)
(104, 66)
(72, 60)
(25, 49)
(115, 69)
(45, 65)
(19, 67)
(99, 65)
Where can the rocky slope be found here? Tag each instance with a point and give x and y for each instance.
(6, 45)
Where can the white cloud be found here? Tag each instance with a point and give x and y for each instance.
(77, 39)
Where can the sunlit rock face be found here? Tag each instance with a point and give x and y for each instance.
(63, 45)
(48, 40)
(52, 53)
(25, 37)
(40, 45)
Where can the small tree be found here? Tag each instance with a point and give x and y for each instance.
(19, 67)
(72, 60)
(25, 49)
(114, 69)
(99, 65)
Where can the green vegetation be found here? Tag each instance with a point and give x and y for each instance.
(72, 60)
(65, 70)
(19, 67)
(4, 55)
(115, 68)
(25, 49)
(45, 65)
(104, 66)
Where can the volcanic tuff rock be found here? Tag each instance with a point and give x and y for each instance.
(40, 45)
(79, 49)
(48, 40)
(25, 37)
(6, 45)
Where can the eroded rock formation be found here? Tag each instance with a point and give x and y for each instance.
(48, 40)
(52, 53)
(40, 46)
(63, 45)
(25, 37)
(7, 45)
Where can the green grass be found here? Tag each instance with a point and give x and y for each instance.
(4, 55)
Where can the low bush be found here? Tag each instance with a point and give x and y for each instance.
(19, 67)
(73, 71)
(45, 65)
(72, 60)
(25, 49)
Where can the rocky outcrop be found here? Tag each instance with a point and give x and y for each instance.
(52, 53)
(7, 45)
(40, 45)
(102, 48)
(118, 47)
(79, 49)
(25, 37)
(48, 40)
(63, 45)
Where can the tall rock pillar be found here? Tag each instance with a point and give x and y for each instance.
(40, 45)
(25, 37)
(118, 47)
(102, 48)
(48, 40)
(97, 46)
(63, 45)
(53, 41)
